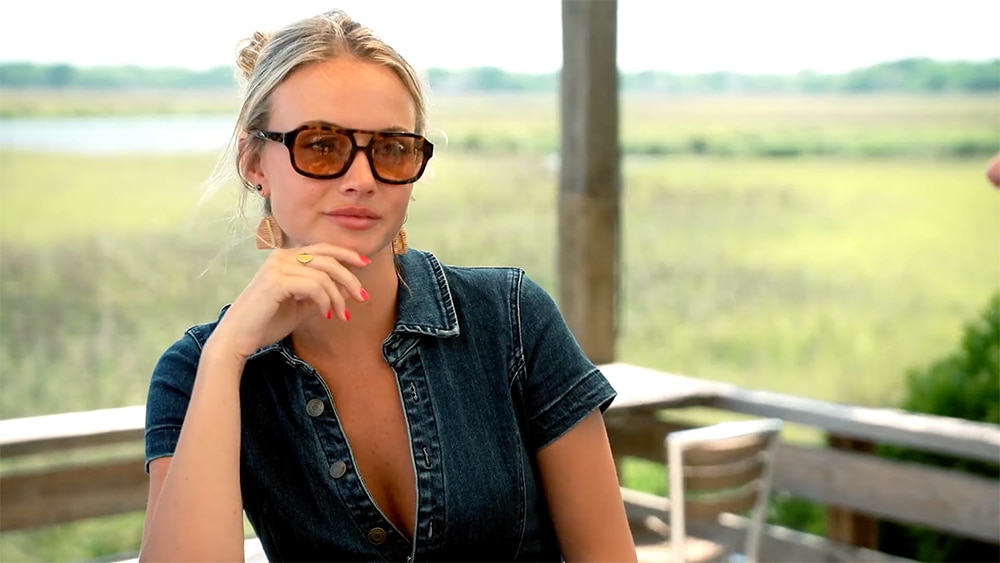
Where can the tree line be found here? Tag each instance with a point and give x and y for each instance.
(907, 75)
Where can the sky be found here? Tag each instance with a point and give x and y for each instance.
(690, 36)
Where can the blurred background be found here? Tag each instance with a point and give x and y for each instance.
(805, 207)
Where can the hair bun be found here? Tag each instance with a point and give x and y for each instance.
(249, 51)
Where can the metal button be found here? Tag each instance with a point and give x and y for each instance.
(376, 536)
(315, 407)
(338, 469)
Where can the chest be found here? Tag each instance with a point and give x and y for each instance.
(432, 450)
(367, 398)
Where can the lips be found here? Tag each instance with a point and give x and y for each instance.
(354, 211)
(354, 218)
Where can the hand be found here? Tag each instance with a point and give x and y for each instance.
(284, 292)
(993, 171)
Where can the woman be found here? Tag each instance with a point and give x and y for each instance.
(358, 400)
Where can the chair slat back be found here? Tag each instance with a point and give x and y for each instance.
(733, 500)
(728, 468)
(725, 450)
(719, 477)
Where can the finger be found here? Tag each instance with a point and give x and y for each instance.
(339, 253)
(335, 301)
(340, 274)
(302, 286)
(282, 272)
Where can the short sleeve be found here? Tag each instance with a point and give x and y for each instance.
(562, 386)
(169, 394)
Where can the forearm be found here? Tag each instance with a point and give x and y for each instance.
(581, 486)
(199, 512)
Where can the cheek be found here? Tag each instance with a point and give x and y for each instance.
(289, 199)
(401, 200)
(292, 195)
(277, 169)
(285, 186)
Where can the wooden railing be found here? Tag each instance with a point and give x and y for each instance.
(854, 484)
(857, 487)
(34, 492)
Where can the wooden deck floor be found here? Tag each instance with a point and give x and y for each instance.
(651, 546)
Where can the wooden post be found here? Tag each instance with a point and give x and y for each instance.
(589, 177)
(843, 525)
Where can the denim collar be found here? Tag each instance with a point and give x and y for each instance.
(424, 299)
(424, 302)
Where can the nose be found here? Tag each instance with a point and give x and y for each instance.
(359, 177)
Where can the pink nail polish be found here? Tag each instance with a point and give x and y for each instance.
(347, 315)
(365, 259)
(364, 294)
(329, 314)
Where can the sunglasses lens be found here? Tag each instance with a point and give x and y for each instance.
(322, 152)
(398, 158)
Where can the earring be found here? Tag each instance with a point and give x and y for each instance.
(259, 188)
(399, 245)
(268, 233)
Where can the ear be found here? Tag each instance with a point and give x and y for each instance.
(249, 165)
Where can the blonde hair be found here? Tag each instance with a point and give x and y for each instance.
(265, 60)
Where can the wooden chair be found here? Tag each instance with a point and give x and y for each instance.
(721, 468)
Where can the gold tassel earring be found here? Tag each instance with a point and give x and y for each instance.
(399, 245)
(268, 234)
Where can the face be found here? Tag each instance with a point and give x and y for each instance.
(356, 210)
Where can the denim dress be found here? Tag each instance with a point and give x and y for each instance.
(488, 373)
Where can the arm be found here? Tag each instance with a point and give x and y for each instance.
(581, 487)
(196, 495)
(195, 505)
(564, 395)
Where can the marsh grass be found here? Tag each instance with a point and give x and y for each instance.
(821, 276)
(879, 125)
(759, 126)
(47, 102)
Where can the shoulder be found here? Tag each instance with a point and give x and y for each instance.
(195, 336)
(483, 281)
(503, 284)
(180, 359)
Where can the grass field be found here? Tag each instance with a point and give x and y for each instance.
(823, 275)
(38, 102)
(771, 126)
(875, 125)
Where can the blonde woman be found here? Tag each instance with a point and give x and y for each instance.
(361, 400)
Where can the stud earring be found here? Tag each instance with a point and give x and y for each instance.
(269, 234)
(259, 188)
(399, 245)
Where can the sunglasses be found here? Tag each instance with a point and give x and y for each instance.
(325, 152)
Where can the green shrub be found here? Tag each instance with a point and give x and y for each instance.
(797, 514)
(968, 148)
(964, 384)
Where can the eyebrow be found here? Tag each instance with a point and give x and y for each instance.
(389, 129)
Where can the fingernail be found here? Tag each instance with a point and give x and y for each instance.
(347, 315)
(329, 314)
(365, 259)
(364, 294)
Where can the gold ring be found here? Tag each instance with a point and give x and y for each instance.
(304, 258)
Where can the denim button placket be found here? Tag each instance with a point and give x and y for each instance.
(338, 469)
(315, 407)
(376, 536)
